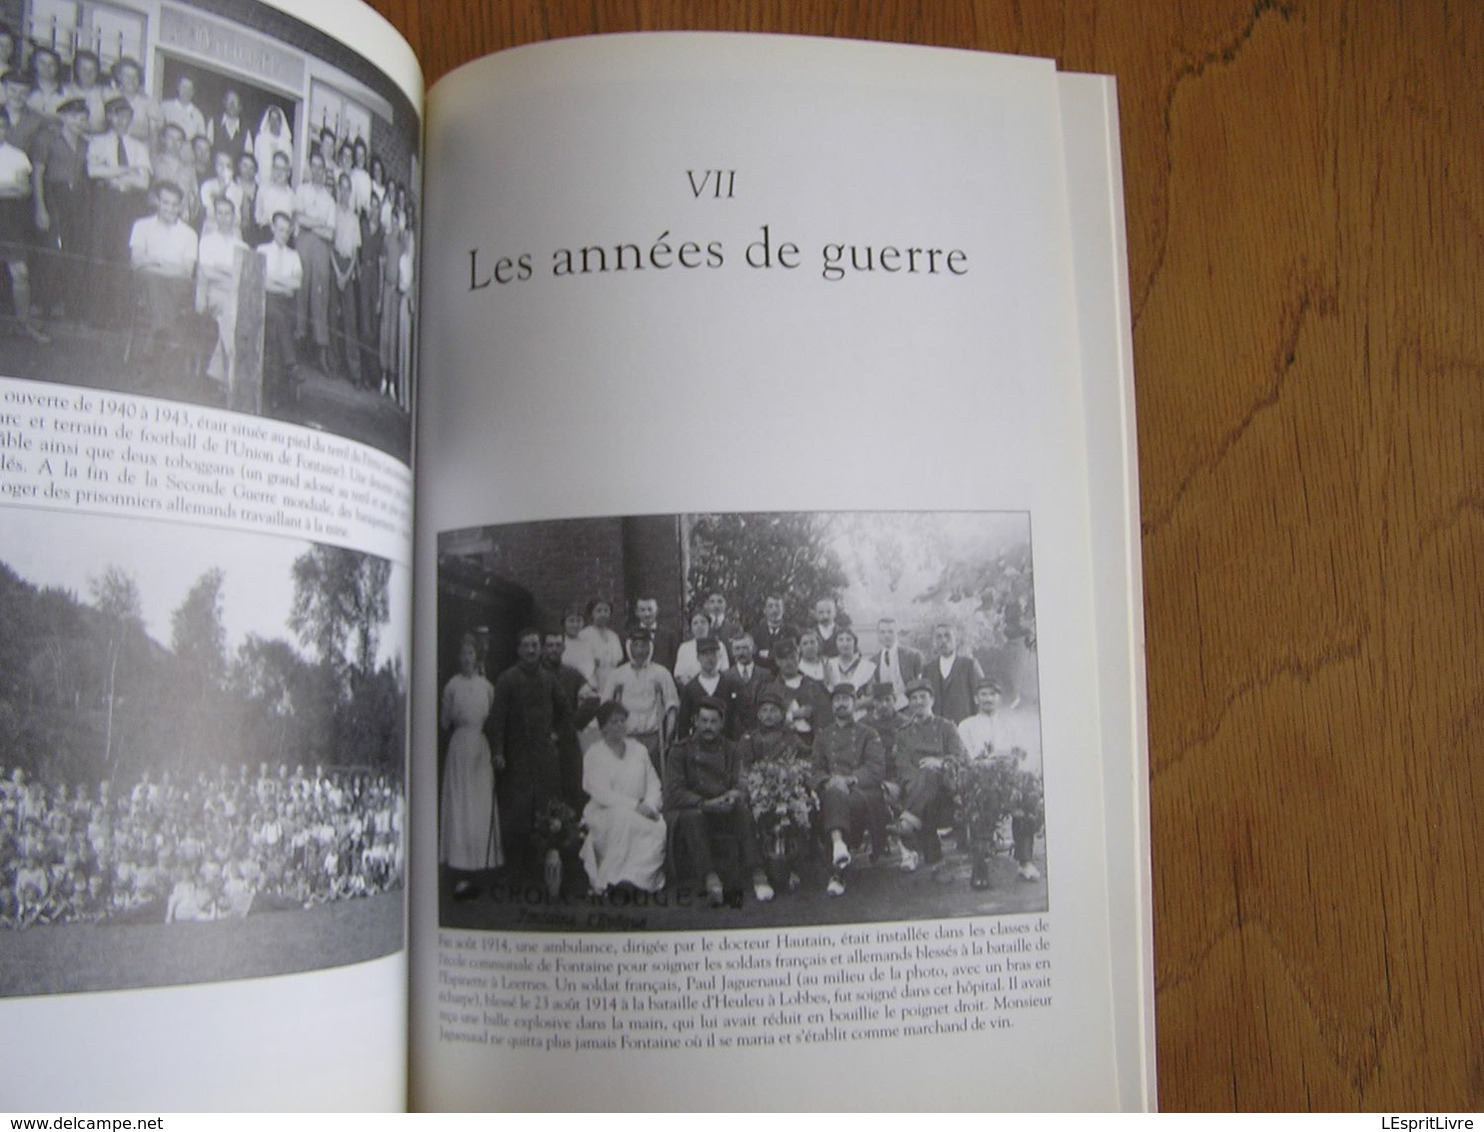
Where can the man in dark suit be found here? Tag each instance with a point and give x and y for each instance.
(827, 621)
(773, 630)
(752, 677)
(647, 616)
(724, 624)
(952, 677)
(711, 684)
(583, 701)
(896, 664)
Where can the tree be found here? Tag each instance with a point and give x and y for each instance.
(340, 597)
(1001, 590)
(198, 640)
(197, 636)
(747, 557)
(116, 597)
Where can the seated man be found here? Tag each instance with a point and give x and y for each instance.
(848, 764)
(162, 254)
(925, 746)
(704, 798)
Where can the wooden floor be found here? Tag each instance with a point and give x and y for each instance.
(1305, 206)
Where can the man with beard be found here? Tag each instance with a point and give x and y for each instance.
(751, 678)
(527, 713)
(705, 800)
(582, 701)
(848, 767)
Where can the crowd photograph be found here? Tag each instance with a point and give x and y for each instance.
(738, 720)
(202, 740)
(177, 227)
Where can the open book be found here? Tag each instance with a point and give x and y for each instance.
(753, 715)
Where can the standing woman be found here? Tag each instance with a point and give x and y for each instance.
(407, 309)
(386, 304)
(849, 666)
(687, 663)
(576, 652)
(469, 835)
(378, 189)
(605, 645)
(274, 136)
(368, 291)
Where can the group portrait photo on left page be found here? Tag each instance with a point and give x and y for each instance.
(209, 215)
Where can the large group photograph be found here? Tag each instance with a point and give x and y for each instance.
(681, 722)
(202, 747)
(212, 203)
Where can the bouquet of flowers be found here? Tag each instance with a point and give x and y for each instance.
(988, 793)
(556, 826)
(780, 794)
(1029, 800)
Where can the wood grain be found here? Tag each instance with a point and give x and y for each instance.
(1305, 205)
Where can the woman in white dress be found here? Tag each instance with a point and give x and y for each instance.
(274, 136)
(625, 841)
(687, 664)
(576, 653)
(469, 837)
(605, 645)
(811, 663)
(850, 667)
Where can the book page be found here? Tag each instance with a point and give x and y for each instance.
(206, 376)
(756, 710)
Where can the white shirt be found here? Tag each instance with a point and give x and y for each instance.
(163, 249)
(15, 172)
(185, 115)
(103, 161)
(284, 273)
(315, 209)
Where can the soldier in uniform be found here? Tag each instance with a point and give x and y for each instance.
(705, 798)
(848, 766)
(926, 744)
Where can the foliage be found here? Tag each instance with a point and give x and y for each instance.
(557, 826)
(990, 790)
(340, 597)
(197, 636)
(85, 693)
(986, 787)
(779, 792)
(1001, 592)
(749, 556)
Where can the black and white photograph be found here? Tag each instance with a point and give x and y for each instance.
(213, 203)
(736, 720)
(202, 747)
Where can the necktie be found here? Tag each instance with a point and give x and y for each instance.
(123, 153)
